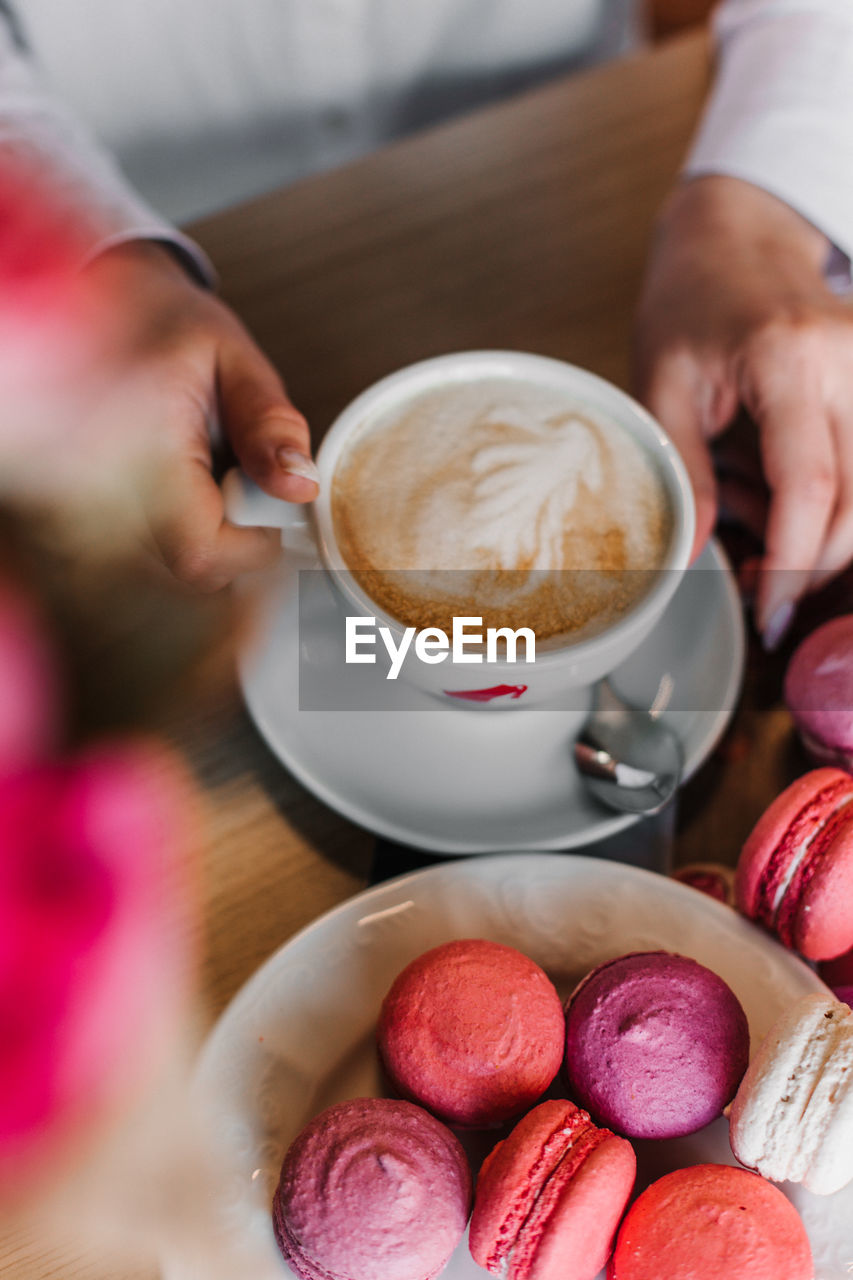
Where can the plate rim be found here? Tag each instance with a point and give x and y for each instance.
(462, 867)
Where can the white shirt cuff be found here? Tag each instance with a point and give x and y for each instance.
(191, 256)
(781, 113)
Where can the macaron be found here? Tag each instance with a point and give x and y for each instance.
(710, 1222)
(795, 873)
(473, 1030)
(819, 692)
(838, 976)
(550, 1197)
(711, 878)
(372, 1189)
(656, 1044)
(792, 1119)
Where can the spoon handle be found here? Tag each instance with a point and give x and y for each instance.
(594, 762)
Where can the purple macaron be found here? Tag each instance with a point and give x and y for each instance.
(372, 1189)
(656, 1045)
(819, 692)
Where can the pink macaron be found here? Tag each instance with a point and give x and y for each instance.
(795, 873)
(473, 1030)
(550, 1197)
(819, 692)
(656, 1044)
(711, 1222)
(372, 1189)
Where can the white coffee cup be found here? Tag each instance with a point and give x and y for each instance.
(572, 666)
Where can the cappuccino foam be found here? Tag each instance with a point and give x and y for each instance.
(501, 499)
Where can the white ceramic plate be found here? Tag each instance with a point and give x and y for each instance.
(299, 1036)
(459, 781)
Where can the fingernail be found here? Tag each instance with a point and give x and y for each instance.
(297, 464)
(780, 621)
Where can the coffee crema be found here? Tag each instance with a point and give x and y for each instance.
(501, 499)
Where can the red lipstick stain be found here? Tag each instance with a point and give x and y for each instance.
(486, 695)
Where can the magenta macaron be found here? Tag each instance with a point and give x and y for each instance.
(656, 1044)
(819, 692)
(550, 1197)
(795, 873)
(472, 1030)
(372, 1189)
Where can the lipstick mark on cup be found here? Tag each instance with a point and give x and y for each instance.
(486, 695)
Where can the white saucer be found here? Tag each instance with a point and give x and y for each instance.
(300, 1034)
(457, 781)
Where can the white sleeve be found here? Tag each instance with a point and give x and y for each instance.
(781, 111)
(39, 135)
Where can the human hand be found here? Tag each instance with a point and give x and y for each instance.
(735, 312)
(196, 365)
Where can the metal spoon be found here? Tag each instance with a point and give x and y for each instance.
(626, 757)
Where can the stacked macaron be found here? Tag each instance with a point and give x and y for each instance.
(795, 872)
(792, 1119)
(550, 1197)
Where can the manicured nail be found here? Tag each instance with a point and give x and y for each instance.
(297, 464)
(778, 625)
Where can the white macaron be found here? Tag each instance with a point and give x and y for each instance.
(792, 1117)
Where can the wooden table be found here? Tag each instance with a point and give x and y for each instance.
(523, 226)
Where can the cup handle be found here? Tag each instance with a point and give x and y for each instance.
(246, 504)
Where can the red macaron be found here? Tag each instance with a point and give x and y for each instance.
(550, 1196)
(795, 873)
(711, 1222)
(472, 1030)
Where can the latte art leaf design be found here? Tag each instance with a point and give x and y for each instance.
(501, 499)
(525, 491)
